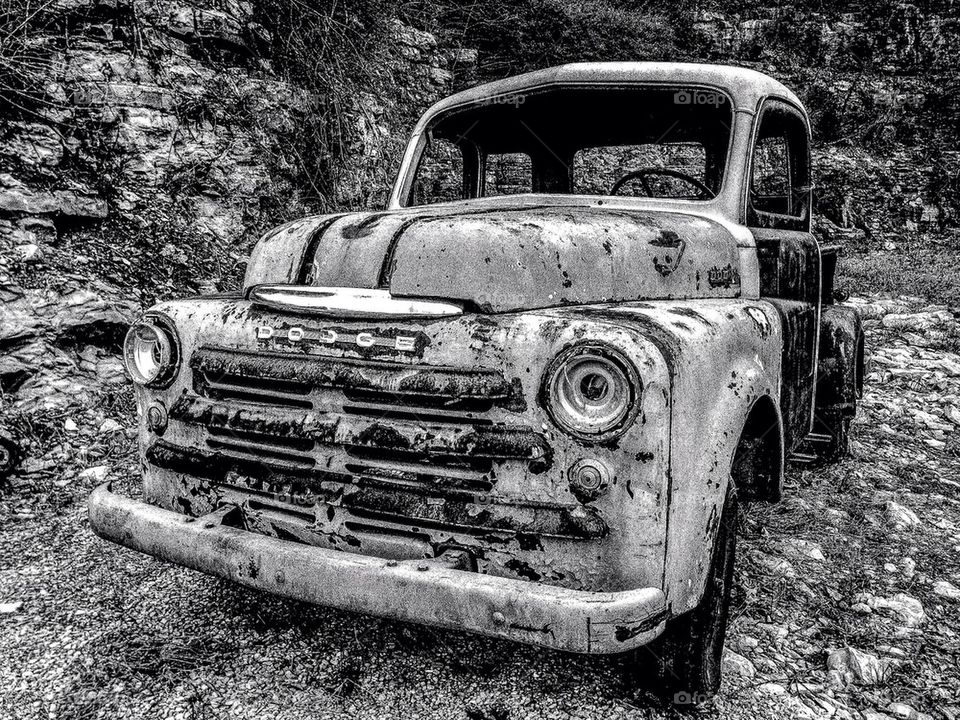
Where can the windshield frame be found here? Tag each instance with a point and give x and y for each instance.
(402, 194)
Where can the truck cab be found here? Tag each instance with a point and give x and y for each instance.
(526, 398)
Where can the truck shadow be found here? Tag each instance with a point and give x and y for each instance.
(348, 654)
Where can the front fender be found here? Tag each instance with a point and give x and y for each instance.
(724, 356)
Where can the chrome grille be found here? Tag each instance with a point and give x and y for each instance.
(363, 386)
(393, 448)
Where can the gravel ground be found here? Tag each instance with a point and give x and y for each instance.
(91, 630)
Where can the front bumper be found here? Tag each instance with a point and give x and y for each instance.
(427, 592)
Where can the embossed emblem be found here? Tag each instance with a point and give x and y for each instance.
(723, 276)
(295, 335)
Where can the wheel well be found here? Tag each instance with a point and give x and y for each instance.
(757, 469)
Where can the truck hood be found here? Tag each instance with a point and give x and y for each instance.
(502, 258)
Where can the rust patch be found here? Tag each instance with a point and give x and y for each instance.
(625, 632)
(362, 229)
(357, 375)
(673, 246)
(383, 436)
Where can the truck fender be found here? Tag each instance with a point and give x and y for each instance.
(746, 429)
(841, 361)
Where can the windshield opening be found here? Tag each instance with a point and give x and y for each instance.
(640, 141)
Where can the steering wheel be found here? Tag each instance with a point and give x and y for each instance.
(643, 173)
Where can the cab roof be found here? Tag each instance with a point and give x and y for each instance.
(746, 87)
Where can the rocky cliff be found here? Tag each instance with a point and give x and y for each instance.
(880, 83)
(143, 148)
(164, 135)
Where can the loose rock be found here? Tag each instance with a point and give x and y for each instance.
(900, 516)
(857, 666)
(946, 590)
(736, 664)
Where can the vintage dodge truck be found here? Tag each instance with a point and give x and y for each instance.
(527, 397)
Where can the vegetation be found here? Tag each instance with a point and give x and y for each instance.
(882, 83)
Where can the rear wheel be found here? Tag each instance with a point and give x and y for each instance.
(683, 664)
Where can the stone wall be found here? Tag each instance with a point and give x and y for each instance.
(880, 83)
(163, 113)
(153, 143)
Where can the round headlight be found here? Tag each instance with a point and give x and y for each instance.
(591, 391)
(149, 352)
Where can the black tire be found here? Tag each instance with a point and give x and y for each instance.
(683, 664)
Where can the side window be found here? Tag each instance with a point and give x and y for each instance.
(508, 174)
(440, 175)
(771, 176)
(779, 180)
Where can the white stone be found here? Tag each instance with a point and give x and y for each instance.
(799, 548)
(774, 565)
(946, 590)
(900, 516)
(109, 426)
(858, 667)
(97, 474)
(29, 253)
(908, 566)
(905, 712)
(907, 608)
(772, 688)
(736, 664)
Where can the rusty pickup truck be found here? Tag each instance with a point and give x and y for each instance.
(527, 397)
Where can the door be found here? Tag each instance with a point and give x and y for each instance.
(778, 214)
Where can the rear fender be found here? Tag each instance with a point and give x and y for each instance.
(840, 369)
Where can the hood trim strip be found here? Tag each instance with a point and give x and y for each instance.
(348, 302)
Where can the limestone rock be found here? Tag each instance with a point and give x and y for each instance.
(902, 711)
(15, 197)
(33, 145)
(859, 667)
(946, 590)
(95, 474)
(904, 607)
(900, 516)
(733, 663)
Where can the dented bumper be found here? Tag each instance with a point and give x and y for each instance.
(428, 592)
